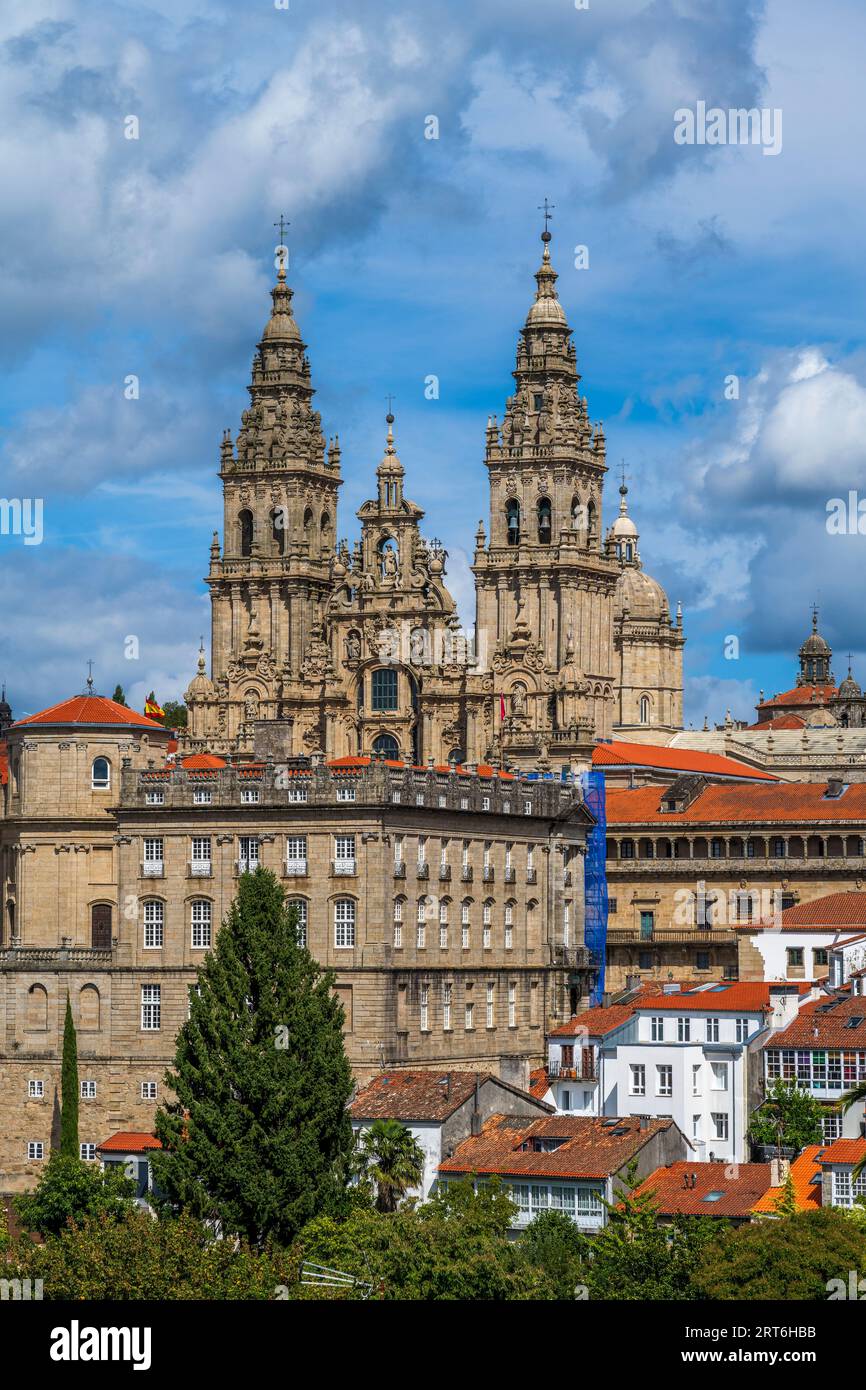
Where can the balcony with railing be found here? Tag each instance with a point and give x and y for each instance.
(466, 873)
(200, 868)
(584, 1070)
(488, 873)
(296, 868)
(422, 869)
(660, 936)
(343, 868)
(444, 873)
(510, 873)
(399, 868)
(152, 868)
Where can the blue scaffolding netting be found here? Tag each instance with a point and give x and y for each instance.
(595, 878)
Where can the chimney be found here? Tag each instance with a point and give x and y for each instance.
(644, 1121)
(694, 1180)
(475, 1125)
(784, 1005)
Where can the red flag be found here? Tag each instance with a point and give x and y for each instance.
(502, 709)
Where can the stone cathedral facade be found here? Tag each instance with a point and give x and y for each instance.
(340, 650)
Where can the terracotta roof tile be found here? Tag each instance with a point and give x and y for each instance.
(590, 1147)
(539, 1083)
(618, 754)
(716, 805)
(845, 1151)
(740, 1186)
(806, 1176)
(415, 1095)
(833, 910)
(90, 709)
(821, 1023)
(801, 695)
(201, 760)
(129, 1141)
(742, 997)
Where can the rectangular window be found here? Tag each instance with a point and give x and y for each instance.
(795, 956)
(512, 1006)
(249, 796)
(446, 1007)
(464, 803)
(344, 854)
(664, 1081)
(153, 925)
(422, 849)
(742, 1030)
(696, 1078)
(299, 907)
(527, 808)
(637, 1079)
(425, 1008)
(87, 1153)
(200, 856)
(344, 923)
(696, 1126)
(148, 1090)
(200, 797)
(35, 1149)
(152, 865)
(485, 803)
(345, 793)
(297, 792)
(151, 1008)
(719, 1072)
(443, 854)
(248, 853)
(491, 1006)
(384, 689)
(566, 924)
(657, 1028)
(509, 926)
(470, 1016)
(88, 1090)
(201, 925)
(398, 923)
(421, 924)
(35, 1090)
(684, 1029)
(398, 849)
(296, 854)
(720, 1125)
(712, 1030)
(154, 799)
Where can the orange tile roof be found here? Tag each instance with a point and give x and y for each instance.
(4, 764)
(788, 802)
(617, 754)
(592, 1147)
(415, 1095)
(357, 761)
(200, 760)
(781, 721)
(90, 709)
(833, 910)
(740, 1185)
(845, 1151)
(129, 1141)
(604, 1018)
(801, 695)
(744, 996)
(821, 1023)
(539, 1083)
(806, 1176)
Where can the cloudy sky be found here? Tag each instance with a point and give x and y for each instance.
(409, 256)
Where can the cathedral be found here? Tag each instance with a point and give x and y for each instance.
(333, 649)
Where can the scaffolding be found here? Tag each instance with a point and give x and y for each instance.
(595, 878)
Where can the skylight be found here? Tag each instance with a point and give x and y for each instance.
(714, 1196)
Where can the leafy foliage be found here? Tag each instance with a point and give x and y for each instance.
(390, 1157)
(791, 1258)
(69, 1190)
(69, 1088)
(175, 714)
(118, 697)
(790, 1115)
(258, 1138)
(554, 1246)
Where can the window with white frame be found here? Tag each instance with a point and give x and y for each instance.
(398, 923)
(35, 1089)
(154, 798)
(469, 1015)
(344, 854)
(487, 848)
(720, 1124)
(664, 1080)
(486, 920)
(447, 989)
(154, 914)
(35, 1149)
(443, 801)
(696, 1126)
(152, 863)
(712, 1030)
(344, 923)
(657, 1028)
(719, 1073)
(506, 807)
(530, 859)
(566, 924)
(443, 925)
(87, 1153)
(299, 907)
(422, 849)
(346, 793)
(485, 803)
(149, 1090)
(419, 798)
(637, 1079)
(831, 1128)
(464, 861)
(742, 1030)
(398, 849)
(297, 792)
(443, 854)
(201, 924)
(684, 1029)
(88, 1090)
(248, 853)
(425, 1008)
(200, 857)
(421, 924)
(527, 808)
(464, 925)
(491, 1005)
(202, 796)
(512, 1005)
(296, 854)
(696, 1078)
(151, 1008)
(509, 926)
(249, 796)
(100, 774)
(464, 803)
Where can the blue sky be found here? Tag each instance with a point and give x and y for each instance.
(412, 257)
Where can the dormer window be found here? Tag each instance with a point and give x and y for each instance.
(100, 774)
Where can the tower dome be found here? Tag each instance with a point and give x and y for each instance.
(815, 655)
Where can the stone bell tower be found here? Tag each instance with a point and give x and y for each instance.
(544, 586)
(270, 584)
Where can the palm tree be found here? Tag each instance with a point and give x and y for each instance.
(851, 1098)
(392, 1157)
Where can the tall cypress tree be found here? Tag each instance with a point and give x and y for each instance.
(258, 1136)
(69, 1088)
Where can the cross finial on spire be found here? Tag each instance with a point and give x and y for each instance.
(390, 416)
(90, 677)
(547, 209)
(282, 224)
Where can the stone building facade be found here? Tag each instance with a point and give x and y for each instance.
(449, 903)
(359, 650)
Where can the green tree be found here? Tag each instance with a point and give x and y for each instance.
(786, 1203)
(391, 1158)
(789, 1116)
(792, 1257)
(552, 1244)
(69, 1088)
(118, 697)
(176, 714)
(135, 1257)
(258, 1138)
(70, 1190)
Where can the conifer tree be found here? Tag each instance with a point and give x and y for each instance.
(69, 1089)
(258, 1138)
(118, 697)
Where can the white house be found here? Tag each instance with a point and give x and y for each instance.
(801, 944)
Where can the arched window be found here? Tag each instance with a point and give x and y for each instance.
(308, 522)
(37, 1008)
(100, 927)
(299, 907)
(344, 922)
(88, 1009)
(245, 525)
(544, 520)
(456, 756)
(512, 520)
(578, 516)
(100, 774)
(590, 517)
(644, 709)
(278, 529)
(154, 916)
(201, 919)
(386, 746)
(629, 551)
(325, 528)
(384, 695)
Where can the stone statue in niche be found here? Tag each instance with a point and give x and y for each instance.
(518, 699)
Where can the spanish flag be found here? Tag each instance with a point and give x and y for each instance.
(152, 709)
